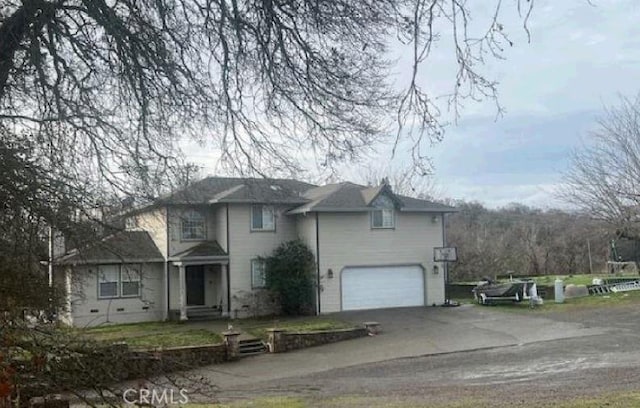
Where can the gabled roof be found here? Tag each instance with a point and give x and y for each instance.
(121, 247)
(344, 197)
(417, 204)
(239, 190)
(207, 249)
(350, 197)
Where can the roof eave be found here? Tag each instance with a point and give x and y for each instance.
(330, 209)
(199, 258)
(432, 210)
(256, 201)
(71, 262)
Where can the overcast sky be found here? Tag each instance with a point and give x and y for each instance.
(581, 58)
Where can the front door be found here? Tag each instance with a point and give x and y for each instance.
(195, 285)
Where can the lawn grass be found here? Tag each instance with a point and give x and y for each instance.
(587, 302)
(578, 279)
(153, 335)
(263, 402)
(258, 327)
(617, 400)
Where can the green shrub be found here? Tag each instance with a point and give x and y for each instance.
(290, 274)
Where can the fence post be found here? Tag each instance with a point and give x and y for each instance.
(231, 340)
(274, 341)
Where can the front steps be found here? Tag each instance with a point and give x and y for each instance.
(251, 347)
(197, 313)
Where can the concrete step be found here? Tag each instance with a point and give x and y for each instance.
(203, 313)
(251, 347)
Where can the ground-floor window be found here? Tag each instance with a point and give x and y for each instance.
(257, 273)
(119, 280)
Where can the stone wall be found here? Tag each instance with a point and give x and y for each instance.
(146, 363)
(280, 341)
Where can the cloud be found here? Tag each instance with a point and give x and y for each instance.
(580, 59)
(512, 159)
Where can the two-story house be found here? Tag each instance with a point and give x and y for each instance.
(197, 252)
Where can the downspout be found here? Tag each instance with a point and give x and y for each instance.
(445, 264)
(166, 264)
(228, 266)
(318, 261)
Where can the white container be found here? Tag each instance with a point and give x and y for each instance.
(559, 291)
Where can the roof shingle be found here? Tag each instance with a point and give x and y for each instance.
(123, 246)
(204, 249)
(231, 189)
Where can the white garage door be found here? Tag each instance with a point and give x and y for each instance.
(382, 286)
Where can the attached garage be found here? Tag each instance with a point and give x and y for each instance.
(377, 287)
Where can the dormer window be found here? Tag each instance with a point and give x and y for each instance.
(193, 226)
(383, 215)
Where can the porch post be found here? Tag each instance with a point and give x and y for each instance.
(183, 291)
(67, 317)
(223, 283)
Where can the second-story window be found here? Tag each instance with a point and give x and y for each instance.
(382, 218)
(193, 225)
(262, 218)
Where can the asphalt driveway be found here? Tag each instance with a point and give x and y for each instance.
(406, 332)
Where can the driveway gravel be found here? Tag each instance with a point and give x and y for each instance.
(443, 355)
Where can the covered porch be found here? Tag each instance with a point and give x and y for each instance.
(199, 283)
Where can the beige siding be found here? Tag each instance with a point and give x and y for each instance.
(306, 229)
(155, 223)
(246, 245)
(176, 244)
(221, 225)
(84, 299)
(346, 239)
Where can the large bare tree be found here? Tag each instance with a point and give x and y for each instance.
(116, 82)
(96, 95)
(604, 178)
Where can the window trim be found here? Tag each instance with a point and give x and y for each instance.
(118, 282)
(382, 226)
(273, 217)
(139, 281)
(204, 225)
(99, 282)
(255, 262)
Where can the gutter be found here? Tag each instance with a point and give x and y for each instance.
(108, 261)
(199, 258)
(446, 264)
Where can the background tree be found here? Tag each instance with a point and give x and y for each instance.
(604, 177)
(117, 82)
(524, 241)
(403, 181)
